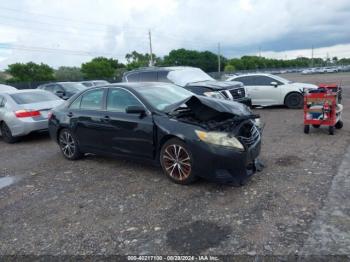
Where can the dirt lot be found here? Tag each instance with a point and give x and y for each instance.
(110, 206)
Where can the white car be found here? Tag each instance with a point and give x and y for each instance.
(268, 90)
(6, 88)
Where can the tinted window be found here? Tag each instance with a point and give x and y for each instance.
(246, 80)
(92, 100)
(162, 76)
(133, 77)
(33, 97)
(119, 99)
(263, 81)
(148, 77)
(73, 87)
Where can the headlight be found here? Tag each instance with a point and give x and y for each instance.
(218, 138)
(214, 95)
(257, 122)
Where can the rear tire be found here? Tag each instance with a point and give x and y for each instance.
(339, 124)
(7, 134)
(306, 129)
(69, 145)
(294, 100)
(177, 162)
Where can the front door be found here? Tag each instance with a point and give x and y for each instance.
(127, 133)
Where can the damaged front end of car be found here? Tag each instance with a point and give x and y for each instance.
(231, 133)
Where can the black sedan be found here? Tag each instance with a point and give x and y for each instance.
(189, 136)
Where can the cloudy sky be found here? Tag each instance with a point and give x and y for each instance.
(69, 32)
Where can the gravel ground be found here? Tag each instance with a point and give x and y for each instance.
(108, 206)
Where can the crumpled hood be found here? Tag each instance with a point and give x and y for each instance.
(206, 108)
(305, 85)
(217, 85)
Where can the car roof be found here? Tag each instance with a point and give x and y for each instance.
(158, 68)
(252, 74)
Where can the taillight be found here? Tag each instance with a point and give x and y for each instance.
(27, 113)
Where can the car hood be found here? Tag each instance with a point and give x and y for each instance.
(217, 85)
(206, 108)
(305, 85)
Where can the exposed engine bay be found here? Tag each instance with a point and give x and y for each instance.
(230, 117)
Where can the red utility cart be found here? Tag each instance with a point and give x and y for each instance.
(322, 108)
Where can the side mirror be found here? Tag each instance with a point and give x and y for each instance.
(135, 110)
(274, 84)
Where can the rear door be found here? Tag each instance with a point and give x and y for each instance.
(261, 90)
(87, 116)
(128, 134)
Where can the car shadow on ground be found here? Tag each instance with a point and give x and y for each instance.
(33, 137)
(146, 168)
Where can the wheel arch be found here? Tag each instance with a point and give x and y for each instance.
(291, 92)
(162, 141)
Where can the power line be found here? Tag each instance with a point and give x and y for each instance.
(61, 18)
(56, 50)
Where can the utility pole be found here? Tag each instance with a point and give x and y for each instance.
(219, 59)
(312, 56)
(259, 51)
(150, 48)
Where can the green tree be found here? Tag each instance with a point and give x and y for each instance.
(66, 73)
(136, 60)
(100, 68)
(30, 72)
(229, 68)
(205, 60)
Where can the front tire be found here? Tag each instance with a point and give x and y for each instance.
(7, 134)
(294, 100)
(177, 162)
(306, 129)
(69, 145)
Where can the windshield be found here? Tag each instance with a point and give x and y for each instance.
(33, 97)
(73, 87)
(161, 96)
(185, 76)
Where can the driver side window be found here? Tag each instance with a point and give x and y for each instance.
(119, 99)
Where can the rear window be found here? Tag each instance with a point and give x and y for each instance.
(33, 97)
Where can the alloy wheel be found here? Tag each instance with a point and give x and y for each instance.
(67, 144)
(177, 162)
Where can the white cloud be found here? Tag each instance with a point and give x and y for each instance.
(111, 27)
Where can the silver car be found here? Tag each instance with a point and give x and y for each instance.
(25, 111)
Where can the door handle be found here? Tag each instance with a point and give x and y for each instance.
(106, 119)
(70, 114)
